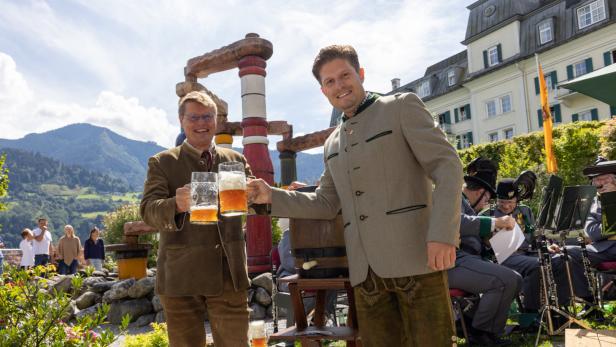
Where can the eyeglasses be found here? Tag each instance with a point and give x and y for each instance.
(193, 118)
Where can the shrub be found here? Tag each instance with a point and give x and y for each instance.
(156, 338)
(33, 315)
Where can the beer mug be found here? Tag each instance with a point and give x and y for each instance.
(257, 333)
(204, 198)
(232, 189)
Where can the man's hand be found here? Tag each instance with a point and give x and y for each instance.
(554, 248)
(504, 223)
(182, 199)
(259, 192)
(441, 256)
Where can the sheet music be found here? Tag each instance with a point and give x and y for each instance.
(506, 242)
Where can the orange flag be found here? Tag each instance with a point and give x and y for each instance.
(550, 157)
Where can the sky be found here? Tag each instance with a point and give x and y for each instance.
(115, 63)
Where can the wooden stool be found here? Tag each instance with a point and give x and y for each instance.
(311, 336)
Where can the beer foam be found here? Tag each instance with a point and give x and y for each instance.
(203, 207)
(232, 181)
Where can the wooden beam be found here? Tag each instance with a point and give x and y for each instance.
(302, 143)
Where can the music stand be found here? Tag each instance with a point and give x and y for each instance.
(571, 213)
(549, 200)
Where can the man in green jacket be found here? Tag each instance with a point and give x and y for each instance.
(200, 267)
(398, 182)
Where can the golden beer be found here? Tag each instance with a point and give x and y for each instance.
(259, 342)
(204, 214)
(233, 202)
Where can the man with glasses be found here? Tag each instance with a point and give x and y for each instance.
(201, 268)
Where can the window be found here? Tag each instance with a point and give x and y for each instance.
(467, 140)
(508, 133)
(505, 103)
(585, 116)
(497, 106)
(424, 89)
(579, 68)
(491, 107)
(590, 14)
(551, 85)
(493, 137)
(545, 32)
(493, 56)
(451, 78)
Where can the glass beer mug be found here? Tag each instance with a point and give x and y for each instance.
(257, 333)
(204, 198)
(232, 189)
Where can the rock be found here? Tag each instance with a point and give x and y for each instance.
(87, 299)
(70, 311)
(62, 285)
(142, 287)
(90, 311)
(156, 304)
(90, 281)
(145, 319)
(118, 291)
(151, 272)
(251, 294)
(264, 280)
(257, 311)
(99, 274)
(135, 308)
(262, 297)
(102, 287)
(160, 317)
(268, 312)
(113, 273)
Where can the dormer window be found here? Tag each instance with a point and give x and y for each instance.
(546, 34)
(590, 14)
(424, 89)
(451, 78)
(492, 56)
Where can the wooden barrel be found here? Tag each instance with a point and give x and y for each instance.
(320, 241)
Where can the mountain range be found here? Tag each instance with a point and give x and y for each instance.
(101, 150)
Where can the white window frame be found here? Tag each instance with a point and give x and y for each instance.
(424, 89)
(451, 78)
(545, 28)
(505, 133)
(581, 64)
(502, 109)
(493, 137)
(585, 115)
(495, 107)
(548, 81)
(590, 14)
(493, 56)
(466, 143)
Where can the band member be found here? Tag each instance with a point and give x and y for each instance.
(603, 246)
(498, 284)
(509, 193)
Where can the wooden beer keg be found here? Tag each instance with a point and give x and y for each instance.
(318, 246)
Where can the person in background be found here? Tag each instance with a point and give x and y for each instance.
(68, 251)
(42, 243)
(27, 250)
(94, 250)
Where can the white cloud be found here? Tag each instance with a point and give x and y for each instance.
(136, 50)
(25, 112)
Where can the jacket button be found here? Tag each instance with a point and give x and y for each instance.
(362, 217)
(201, 162)
(359, 192)
(218, 245)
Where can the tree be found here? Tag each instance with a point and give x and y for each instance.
(4, 181)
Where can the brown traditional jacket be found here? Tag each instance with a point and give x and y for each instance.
(191, 257)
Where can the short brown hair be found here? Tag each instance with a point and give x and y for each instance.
(199, 97)
(332, 52)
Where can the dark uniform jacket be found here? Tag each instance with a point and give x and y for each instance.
(190, 257)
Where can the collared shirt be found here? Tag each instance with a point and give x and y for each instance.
(368, 100)
(208, 155)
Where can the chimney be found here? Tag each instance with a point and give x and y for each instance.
(395, 83)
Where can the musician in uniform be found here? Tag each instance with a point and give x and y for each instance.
(509, 194)
(603, 246)
(498, 284)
